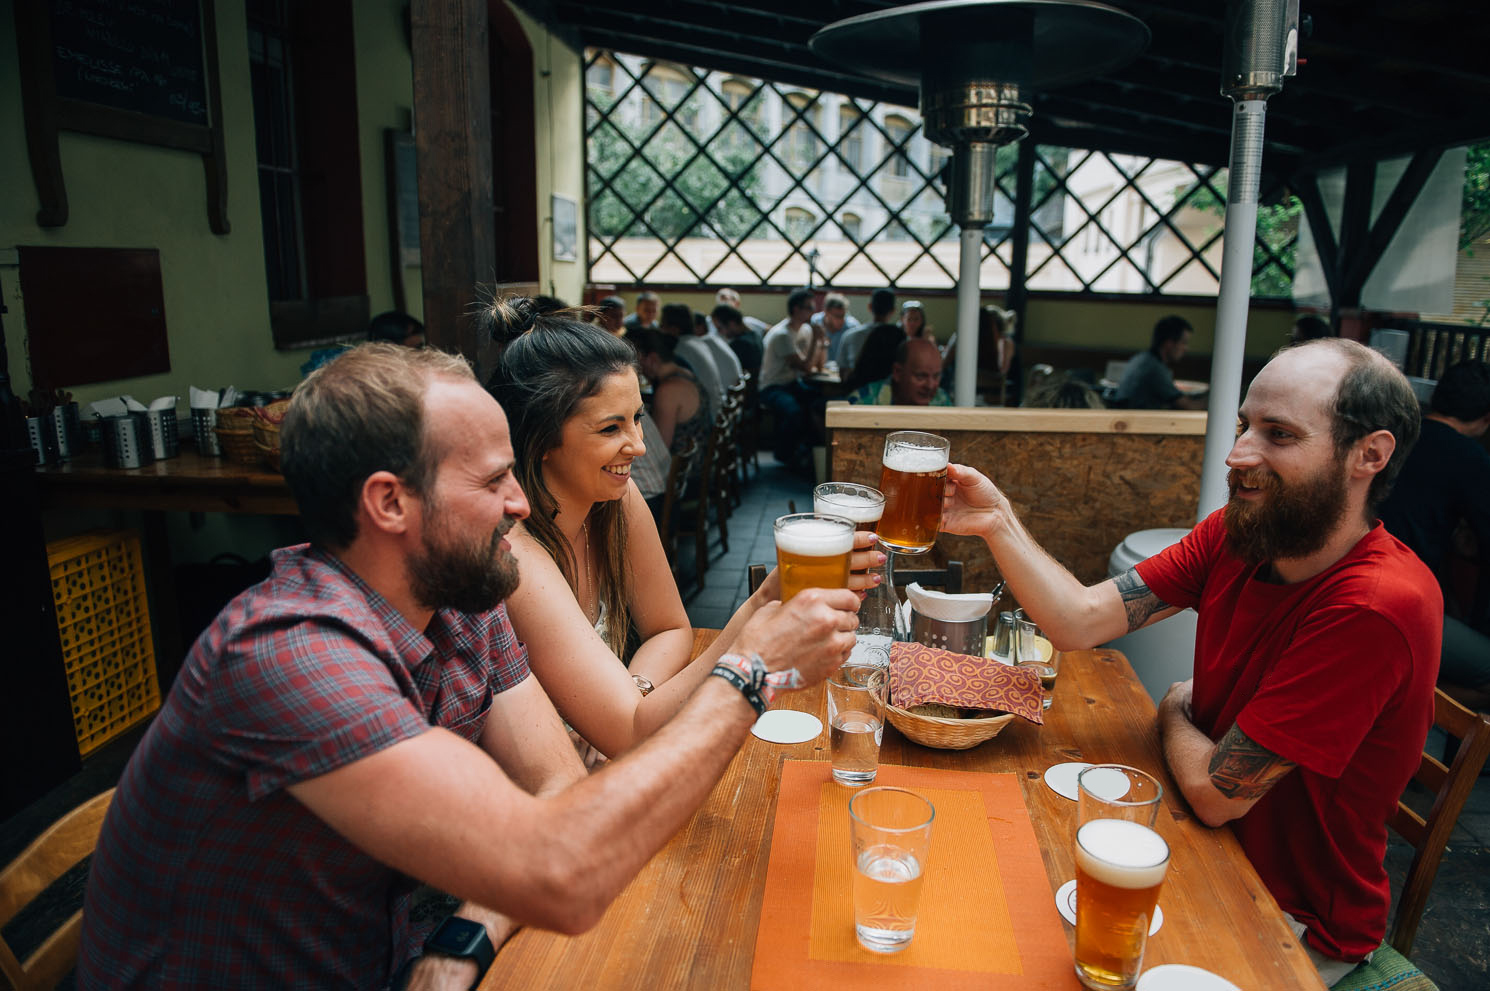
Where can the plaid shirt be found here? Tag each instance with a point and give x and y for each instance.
(208, 873)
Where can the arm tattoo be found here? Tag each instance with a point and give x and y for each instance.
(1243, 769)
(1138, 601)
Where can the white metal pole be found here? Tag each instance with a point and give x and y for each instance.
(965, 378)
(1231, 304)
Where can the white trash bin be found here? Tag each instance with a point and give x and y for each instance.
(1163, 653)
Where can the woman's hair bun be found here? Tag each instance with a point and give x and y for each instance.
(505, 320)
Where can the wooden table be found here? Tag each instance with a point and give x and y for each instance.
(689, 918)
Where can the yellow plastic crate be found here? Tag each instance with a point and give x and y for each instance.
(103, 621)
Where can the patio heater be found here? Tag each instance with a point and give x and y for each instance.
(976, 62)
(1261, 48)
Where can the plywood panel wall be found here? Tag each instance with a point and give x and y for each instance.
(1080, 493)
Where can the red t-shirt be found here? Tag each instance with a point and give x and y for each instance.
(1335, 674)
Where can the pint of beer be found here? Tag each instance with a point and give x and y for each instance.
(812, 551)
(1120, 866)
(913, 476)
(859, 503)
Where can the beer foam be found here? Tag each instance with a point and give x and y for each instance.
(913, 460)
(859, 509)
(815, 538)
(1121, 853)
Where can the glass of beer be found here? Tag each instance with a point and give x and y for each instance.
(890, 830)
(859, 503)
(812, 551)
(1120, 866)
(913, 477)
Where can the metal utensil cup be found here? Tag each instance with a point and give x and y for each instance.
(202, 423)
(165, 440)
(126, 440)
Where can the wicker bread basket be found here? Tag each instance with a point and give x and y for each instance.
(235, 435)
(946, 734)
(266, 423)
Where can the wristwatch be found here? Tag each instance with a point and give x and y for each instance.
(463, 938)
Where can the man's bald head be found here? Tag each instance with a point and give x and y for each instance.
(917, 372)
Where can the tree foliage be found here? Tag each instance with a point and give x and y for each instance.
(702, 200)
(1474, 213)
(1277, 228)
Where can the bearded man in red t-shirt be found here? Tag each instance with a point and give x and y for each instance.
(1317, 645)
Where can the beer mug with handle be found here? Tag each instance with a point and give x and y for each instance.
(913, 477)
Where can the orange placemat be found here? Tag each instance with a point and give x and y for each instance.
(986, 915)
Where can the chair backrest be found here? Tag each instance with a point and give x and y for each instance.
(948, 579)
(677, 484)
(55, 852)
(1450, 787)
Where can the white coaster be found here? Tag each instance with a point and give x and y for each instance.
(1105, 783)
(1065, 903)
(787, 726)
(1062, 777)
(1182, 977)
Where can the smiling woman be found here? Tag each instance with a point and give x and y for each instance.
(589, 552)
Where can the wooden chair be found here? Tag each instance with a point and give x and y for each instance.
(948, 579)
(56, 851)
(678, 473)
(1451, 787)
(696, 507)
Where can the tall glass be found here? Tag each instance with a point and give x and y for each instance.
(812, 551)
(864, 505)
(1036, 654)
(1120, 867)
(913, 477)
(856, 722)
(891, 836)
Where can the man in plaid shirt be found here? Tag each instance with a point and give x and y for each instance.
(364, 719)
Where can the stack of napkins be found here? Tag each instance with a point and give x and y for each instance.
(129, 404)
(947, 608)
(921, 675)
(213, 398)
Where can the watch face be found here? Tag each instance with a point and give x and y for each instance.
(456, 936)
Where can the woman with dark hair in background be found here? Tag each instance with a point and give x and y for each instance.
(589, 552)
(679, 406)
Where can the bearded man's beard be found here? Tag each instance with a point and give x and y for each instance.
(1292, 520)
(470, 577)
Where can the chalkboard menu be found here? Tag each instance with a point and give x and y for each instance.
(140, 55)
(135, 70)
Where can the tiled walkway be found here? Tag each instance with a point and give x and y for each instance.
(1452, 945)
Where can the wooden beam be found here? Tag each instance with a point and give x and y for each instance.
(452, 128)
(1306, 188)
(1389, 220)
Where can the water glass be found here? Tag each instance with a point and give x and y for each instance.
(856, 722)
(1031, 650)
(890, 839)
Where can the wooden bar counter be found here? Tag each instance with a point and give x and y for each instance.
(689, 919)
(1081, 480)
(188, 482)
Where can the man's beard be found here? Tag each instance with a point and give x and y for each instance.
(1292, 520)
(470, 577)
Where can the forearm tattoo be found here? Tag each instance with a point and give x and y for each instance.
(1138, 601)
(1242, 769)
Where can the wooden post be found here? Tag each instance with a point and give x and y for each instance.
(452, 133)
